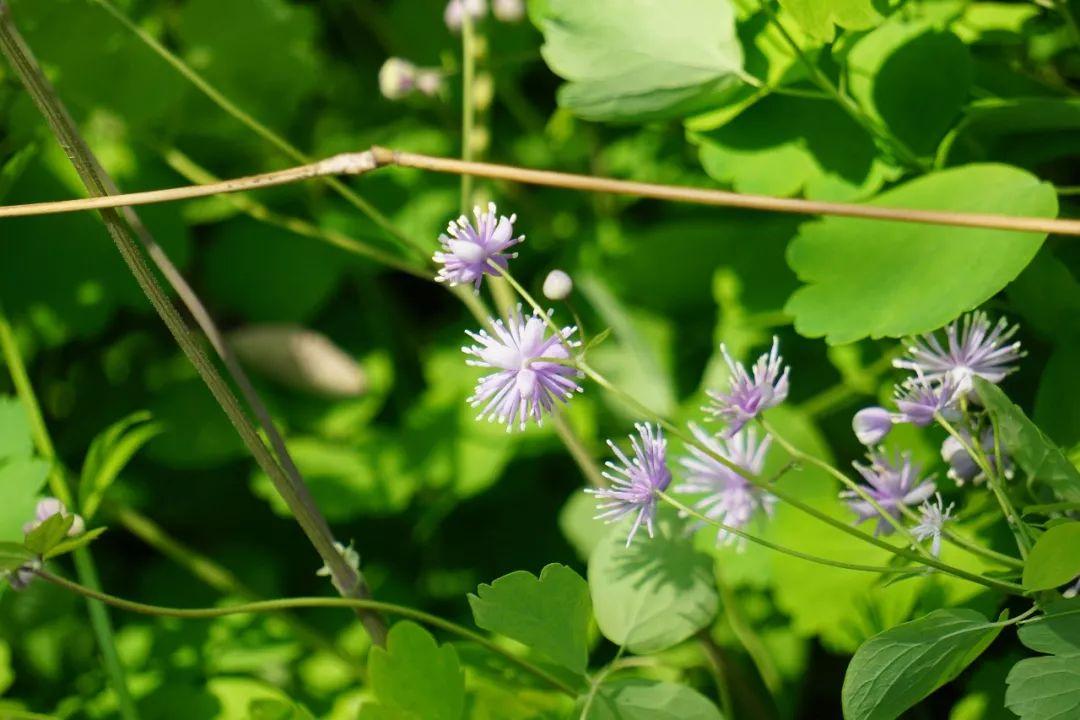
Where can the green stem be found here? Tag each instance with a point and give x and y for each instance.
(220, 578)
(847, 482)
(84, 563)
(715, 657)
(687, 510)
(310, 602)
(903, 152)
(976, 453)
(749, 639)
(283, 145)
(468, 106)
(293, 491)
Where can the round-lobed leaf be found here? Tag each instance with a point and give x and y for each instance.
(653, 594)
(889, 279)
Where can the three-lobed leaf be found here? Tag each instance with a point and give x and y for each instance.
(894, 670)
(653, 594)
(549, 614)
(640, 59)
(50, 533)
(1048, 687)
(1040, 458)
(1054, 560)
(416, 678)
(889, 279)
(819, 18)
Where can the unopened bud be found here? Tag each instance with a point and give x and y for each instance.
(508, 10)
(429, 82)
(455, 11)
(299, 358)
(871, 425)
(397, 78)
(558, 285)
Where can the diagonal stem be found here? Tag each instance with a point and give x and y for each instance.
(295, 494)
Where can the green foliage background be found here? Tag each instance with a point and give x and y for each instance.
(983, 94)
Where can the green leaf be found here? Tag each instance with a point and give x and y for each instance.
(653, 594)
(1057, 632)
(1029, 447)
(550, 614)
(894, 670)
(15, 438)
(49, 533)
(416, 676)
(787, 145)
(1045, 688)
(72, 544)
(20, 483)
(889, 279)
(12, 555)
(639, 699)
(109, 453)
(640, 59)
(267, 709)
(896, 77)
(1054, 560)
(819, 17)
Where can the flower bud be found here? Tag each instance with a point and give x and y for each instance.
(397, 78)
(46, 508)
(429, 82)
(871, 425)
(558, 285)
(299, 358)
(455, 11)
(508, 10)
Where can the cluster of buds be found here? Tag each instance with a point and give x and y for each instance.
(398, 79)
(504, 10)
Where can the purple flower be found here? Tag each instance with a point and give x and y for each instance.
(530, 371)
(729, 497)
(933, 516)
(962, 467)
(635, 482)
(46, 508)
(871, 425)
(892, 484)
(920, 399)
(748, 396)
(466, 251)
(975, 348)
(454, 15)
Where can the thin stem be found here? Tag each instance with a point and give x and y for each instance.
(468, 106)
(749, 639)
(219, 578)
(829, 562)
(847, 482)
(342, 164)
(309, 602)
(716, 663)
(84, 563)
(97, 182)
(976, 454)
(720, 198)
(191, 170)
(844, 391)
(591, 183)
(283, 145)
(903, 152)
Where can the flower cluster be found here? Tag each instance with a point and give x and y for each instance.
(941, 388)
(20, 577)
(468, 253)
(720, 468)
